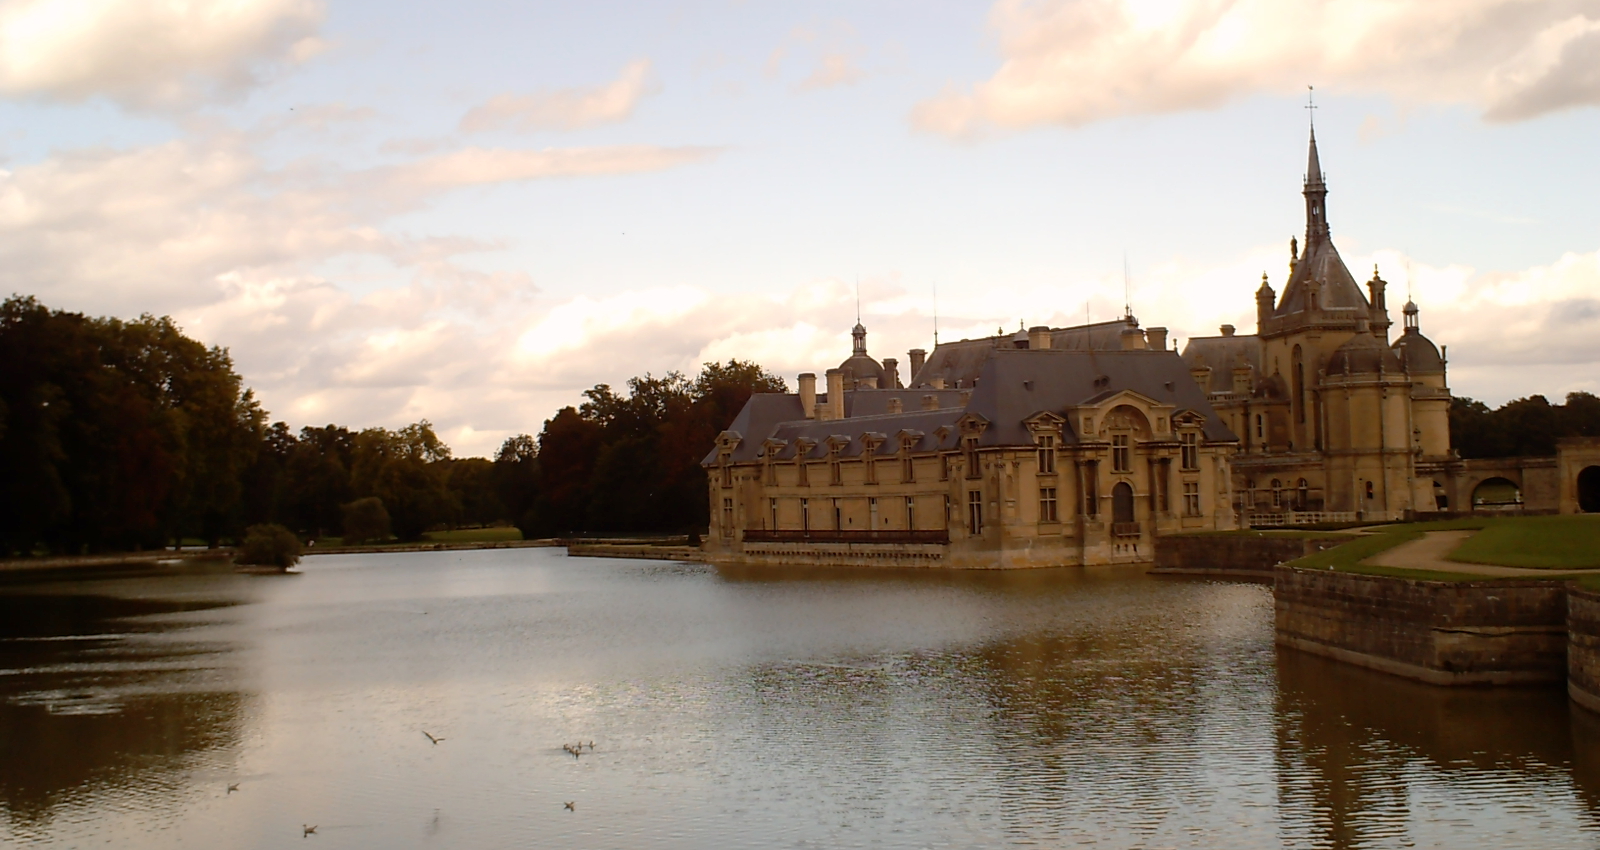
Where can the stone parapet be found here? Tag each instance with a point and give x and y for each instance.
(1583, 647)
(1448, 633)
(1234, 555)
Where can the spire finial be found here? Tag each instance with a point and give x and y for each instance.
(1311, 107)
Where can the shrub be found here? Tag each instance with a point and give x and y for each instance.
(269, 545)
(365, 520)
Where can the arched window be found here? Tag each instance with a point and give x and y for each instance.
(1122, 503)
(1305, 494)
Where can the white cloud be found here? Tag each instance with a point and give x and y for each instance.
(833, 69)
(1073, 62)
(156, 54)
(565, 109)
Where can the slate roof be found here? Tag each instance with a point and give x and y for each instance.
(961, 361)
(1013, 386)
(1417, 352)
(1221, 353)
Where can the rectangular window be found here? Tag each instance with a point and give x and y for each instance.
(835, 468)
(944, 467)
(911, 512)
(972, 458)
(872, 514)
(1164, 485)
(801, 478)
(974, 512)
(1047, 505)
(908, 469)
(871, 461)
(838, 516)
(1191, 498)
(1047, 454)
(805, 515)
(1191, 450)
(772, 473)
(727, 516)
(1121, 456)
(727, 474)
(947, 513)
(772, 513)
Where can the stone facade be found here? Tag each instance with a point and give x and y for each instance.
(1332, 416)
(1240, 557)
(1039, 457)
(1583, 647)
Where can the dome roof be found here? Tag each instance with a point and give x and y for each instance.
(1363, 354)
(1417, 352)
(861, 367)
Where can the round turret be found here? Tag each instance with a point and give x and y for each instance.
(1363, 354)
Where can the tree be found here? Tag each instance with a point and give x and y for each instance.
(516, 481)
(268, 545)
(365, 521)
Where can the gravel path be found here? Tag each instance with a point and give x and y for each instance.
(1428, 553)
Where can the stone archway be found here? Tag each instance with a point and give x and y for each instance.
(1496, 492)
(1589, 490)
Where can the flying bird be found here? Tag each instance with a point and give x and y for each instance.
(232, 788)
(431, 738)
(307, 830)
(571, 807)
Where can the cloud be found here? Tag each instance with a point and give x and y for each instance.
(835, 48)
(150, 54)
(167, 226)
(1074, 62)
(833, 69)
(565, 109)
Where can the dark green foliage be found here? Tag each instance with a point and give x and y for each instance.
(631, 463)
(268, 545)
(1526, 427)
(365, 521)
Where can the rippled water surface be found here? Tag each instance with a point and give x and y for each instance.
(739, 709)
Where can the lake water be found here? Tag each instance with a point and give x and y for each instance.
(737, 709)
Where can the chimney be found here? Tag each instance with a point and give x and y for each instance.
(891, 374)
(1227, 330)
(1132, 339)
(835, 393)
(1158, 338)
(937, 383)
(966, 397)
(930, 402)
(918, 357)
(895, 406)
(1038, 337)
(808, 393)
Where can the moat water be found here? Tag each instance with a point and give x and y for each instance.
(746, 709)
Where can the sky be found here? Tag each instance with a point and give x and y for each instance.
(470, 212)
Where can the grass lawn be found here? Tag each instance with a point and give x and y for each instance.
(474, 535)
(1537, 542)
(1347, 557)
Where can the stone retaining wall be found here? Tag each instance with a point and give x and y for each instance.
(1450, 633)
(642, 552)
(1583, 647)
(1235, 555)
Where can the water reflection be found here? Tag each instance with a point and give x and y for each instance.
(740, 708)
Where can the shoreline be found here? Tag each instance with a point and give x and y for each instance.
(158, 556)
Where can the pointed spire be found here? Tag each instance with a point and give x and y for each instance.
(1313, 164)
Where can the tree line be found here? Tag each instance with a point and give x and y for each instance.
(1525, 427)
(121, 435)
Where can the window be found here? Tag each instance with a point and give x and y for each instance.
(1191, 498)
(1164, 486)
(1258, 426)
(772, 512)
(1121, 460)
(727, 516)
(835, 467)
(727, 473)
(838, 516)
(1250, 493)
(805, 515)
(974, 512)
(911, 512)
(1190, 450)
(1047, 505)
(1369, 489)
(872, 514)
(800, 476)
(869, 458)
(947, 512)
(908, 464)
(771, 470)
(972, 457)
(1277, 493)
(1305, 494)
(1047, 454)
(944, 467)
